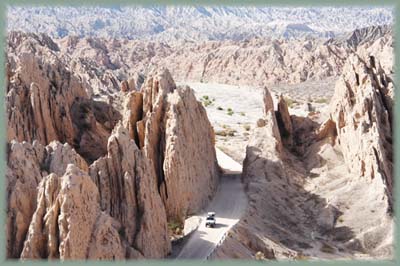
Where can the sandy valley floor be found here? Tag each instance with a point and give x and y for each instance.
(234, 110)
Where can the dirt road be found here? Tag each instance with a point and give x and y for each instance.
(229, 205)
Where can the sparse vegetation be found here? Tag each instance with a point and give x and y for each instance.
(259, 256)
(340, 219)
(327, 248)
(220, 108)
(230, 111)
(207, 101)
(242, 113)
(290, 102)
(301, 256)
(321, 100)
(246, 127)
(227, 131)
(175, 227)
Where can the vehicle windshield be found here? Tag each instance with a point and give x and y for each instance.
(210, 218)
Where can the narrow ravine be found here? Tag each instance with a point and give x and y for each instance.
(229, 204)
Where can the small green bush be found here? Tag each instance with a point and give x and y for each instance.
(226, 132)
(220, 108)
(290, 102)
(321, 100)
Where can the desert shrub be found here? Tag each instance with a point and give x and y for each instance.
(221, 133)
(290, 102)
(230, 111)
(226, 132)
(327, 248)
(174, 225)
(207, 103)
(259, 256)
(220, 108)
(246, 127)
(301, 256)
(321, 100)
(242, 113)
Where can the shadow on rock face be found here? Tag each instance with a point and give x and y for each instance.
(93, 122)
(282, 211)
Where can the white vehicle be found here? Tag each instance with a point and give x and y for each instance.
(210, 220)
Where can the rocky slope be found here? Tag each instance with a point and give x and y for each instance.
(252, 62)
(362, 36)
(335, 180)
(95, 179)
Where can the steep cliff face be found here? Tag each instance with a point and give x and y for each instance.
(336, 178)
(128, 192)
(176, 135)
(362, 109)
(190, 165)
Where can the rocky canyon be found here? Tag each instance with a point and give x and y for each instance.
(118, 144)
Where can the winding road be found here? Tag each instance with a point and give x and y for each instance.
(229, 204)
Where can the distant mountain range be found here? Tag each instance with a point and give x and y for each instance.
(195, 23)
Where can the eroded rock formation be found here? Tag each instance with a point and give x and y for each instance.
(179, 142)
(46, 102)
(27, 165)
(336, 178)
(128, 192)
(68, 222)
(95, 179)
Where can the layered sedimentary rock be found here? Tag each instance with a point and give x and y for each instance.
(128, 192)
(131, 150)
(46, 102)
(176, 135)
(190, 160)
(133, 113)
(27, 165)
(68, 222)
(362, 109)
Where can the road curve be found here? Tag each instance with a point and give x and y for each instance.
(229, 204)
